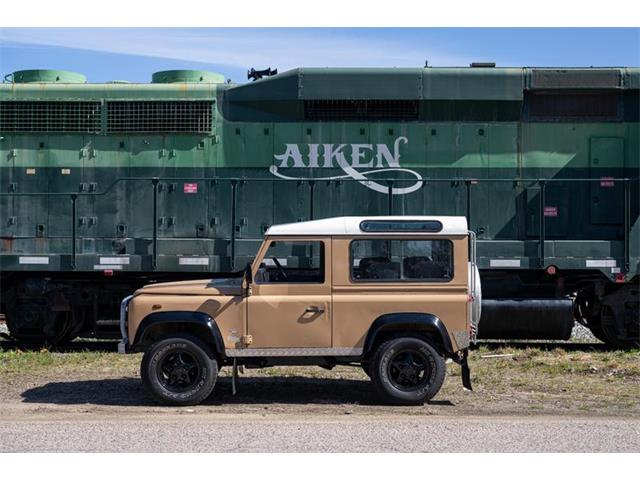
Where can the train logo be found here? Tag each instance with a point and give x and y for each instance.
(358, 161)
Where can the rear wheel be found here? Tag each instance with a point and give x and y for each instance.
(179, 371)
(407, 371)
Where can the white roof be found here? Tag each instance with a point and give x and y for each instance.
(351, 226)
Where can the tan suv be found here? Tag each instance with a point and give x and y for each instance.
(394, 295)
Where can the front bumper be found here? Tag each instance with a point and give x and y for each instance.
(123, 346)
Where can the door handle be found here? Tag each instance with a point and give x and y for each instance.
(314, 309)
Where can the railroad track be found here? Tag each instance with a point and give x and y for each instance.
(543, 345)
(75, 346)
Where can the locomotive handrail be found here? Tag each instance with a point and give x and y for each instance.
(234, 181)
(542, 217)
(460, 180)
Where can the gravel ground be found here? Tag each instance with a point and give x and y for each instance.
(580, 333)
(244, 433)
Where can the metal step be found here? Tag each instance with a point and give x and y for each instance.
(108, 323)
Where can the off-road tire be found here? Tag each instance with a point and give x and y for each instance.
(381, 377)
(191, 348)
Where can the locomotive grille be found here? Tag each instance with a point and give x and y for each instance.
(319, 110)
(159, 116)
(574, 106)
(21, 116)
(575, 78)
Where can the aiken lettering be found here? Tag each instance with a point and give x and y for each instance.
(325, 157)
(352, 159)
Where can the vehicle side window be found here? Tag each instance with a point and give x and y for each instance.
(402, 260)
(292, 262)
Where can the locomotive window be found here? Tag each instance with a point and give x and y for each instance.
(319, 110)
(159, 116)
(573, 106)
(401, 260)
(45, 116)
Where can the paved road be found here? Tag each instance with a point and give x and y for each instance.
(196, 432)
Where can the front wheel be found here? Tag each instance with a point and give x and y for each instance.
(179, 371)
(407, 371)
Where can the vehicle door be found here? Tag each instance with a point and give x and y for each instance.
(290, 302)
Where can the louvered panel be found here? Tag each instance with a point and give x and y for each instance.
(159, 116)
(50, 116)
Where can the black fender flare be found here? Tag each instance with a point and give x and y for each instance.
(409, 322)
(213, 336)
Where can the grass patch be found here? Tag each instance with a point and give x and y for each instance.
(27, 362)
(505, 379)
(558, 362)
(598, 381)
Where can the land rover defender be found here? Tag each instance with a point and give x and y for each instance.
(394, 295)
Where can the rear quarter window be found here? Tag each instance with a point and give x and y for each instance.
(406, 260)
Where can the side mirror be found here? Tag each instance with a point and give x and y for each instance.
(248, 274)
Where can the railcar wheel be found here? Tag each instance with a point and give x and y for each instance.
(611, 327)
(596, 328)
(35, 325)
(407, 371)
(179, 371)
(585, 314)
(614, 319)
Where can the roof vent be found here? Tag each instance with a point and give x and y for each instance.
(45, 76)
(483, 65)
(187, 76)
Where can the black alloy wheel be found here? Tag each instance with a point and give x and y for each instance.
(407, 371)
(181, 370)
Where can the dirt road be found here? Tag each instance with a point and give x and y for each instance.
(193, 432)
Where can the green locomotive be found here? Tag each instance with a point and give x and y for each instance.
(104, 187)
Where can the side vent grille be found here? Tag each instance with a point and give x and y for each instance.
(159, 116)
(327, 110)
(575, 78)
(23, 116)
(591, 106)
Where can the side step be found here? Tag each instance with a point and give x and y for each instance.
(108, 323)
(108, 328)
